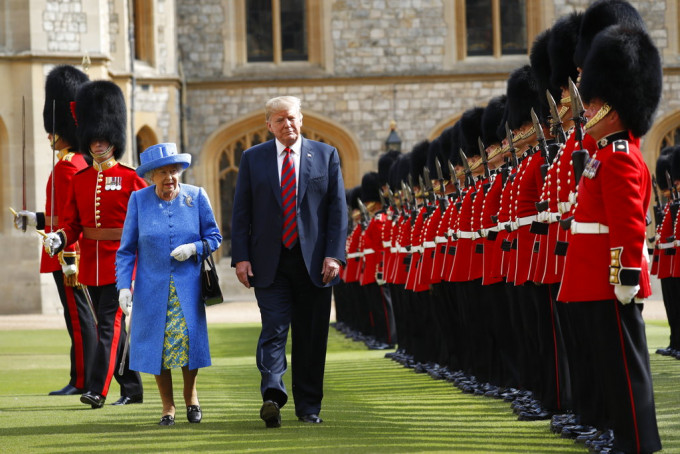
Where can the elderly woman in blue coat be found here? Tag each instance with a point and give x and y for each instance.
(163, 235)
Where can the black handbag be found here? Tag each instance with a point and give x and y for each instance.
(211, 293)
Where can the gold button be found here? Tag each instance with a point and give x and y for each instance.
(99, 225)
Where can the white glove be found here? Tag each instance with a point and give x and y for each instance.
(626, 293)
(28, 217)
(69, 270)
(51, 243)
(184, 251)
(125, 300)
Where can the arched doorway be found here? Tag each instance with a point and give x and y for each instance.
(145, 138)
(221, 155)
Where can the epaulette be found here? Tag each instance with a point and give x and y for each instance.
(68, 156)
(126, 166)
(621, 146)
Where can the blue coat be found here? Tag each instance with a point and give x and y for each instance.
(153, 228)
(257, 218)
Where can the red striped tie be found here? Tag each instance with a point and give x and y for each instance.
(289, 199)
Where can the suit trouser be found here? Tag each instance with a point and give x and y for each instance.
(293, 300)
(82, 330)
(112, 335)
(621, 364)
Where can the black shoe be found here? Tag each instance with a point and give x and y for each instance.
(94, 399)
(270, 414)
(67, 390)
(167, 420)
(125, 400)
(194, 413)
(311, 418)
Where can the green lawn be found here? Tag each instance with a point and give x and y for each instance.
(371, 405)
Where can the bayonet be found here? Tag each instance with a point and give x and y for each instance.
(658, 210)
(428, 184)
(556, 128)
(443, 201)
(671, 186)
(365, 217)
(511, 145)
(466, 168)
(452, 172)
(579, 155)
(542, 145)
(482, 153)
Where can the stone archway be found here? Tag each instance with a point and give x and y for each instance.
(145, 138)
(221, 155)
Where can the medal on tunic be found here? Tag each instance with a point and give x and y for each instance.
(591, 168)
(113, 184)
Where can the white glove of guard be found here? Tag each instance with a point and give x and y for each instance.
(626, 293)
(29, 217)
(69, 270)
(51, 243)
(184, 251)
(125, 300)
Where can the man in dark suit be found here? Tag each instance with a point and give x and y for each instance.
(289, 227)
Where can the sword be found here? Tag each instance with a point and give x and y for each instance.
(126, 347)
(54, 142)
(89, 303)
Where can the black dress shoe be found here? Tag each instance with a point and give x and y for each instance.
(94, 399)
(194, 413)
(67, 390)
(270, 414)
(312, 419)
(125, 400)
(167, 420)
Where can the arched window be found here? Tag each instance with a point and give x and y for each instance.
(144, 27)
(671, 138)
(221, 157)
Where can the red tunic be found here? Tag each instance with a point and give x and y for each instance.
(372, 247)
(98, 199)
(491, 206)
(527, 186)
(429, 248)
(440, 240)
(417, 236)
(664, 249)
(69, 163)
(618, 197)
(460, 271)
(353, 256)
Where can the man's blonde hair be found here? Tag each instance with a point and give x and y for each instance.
(281, 103)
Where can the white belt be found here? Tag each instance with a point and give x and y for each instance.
(467, 235)
(676, 243)
(526, 220)
(353, 255)
(666, 245)
(403, 250)
(450, 232)
(563, 207)
(501, 225)
(387, 244)
(429, 244)
(588, 227)
(553, 217)
(394, 249)
(369, 251)
(440, 239)
(416, 249)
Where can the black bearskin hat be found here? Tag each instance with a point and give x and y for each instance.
(370, 187)
(384, 164)
(61, 86)
(540, 65)
(522, 97)
(623, 69)
(352, 196)
(101, 114)
(561, 46)
(663, 165)
(600, 15)
(399, 171)
(419, 160)
(491, 120)
(674, 164)
(471, 127)
(437, 152)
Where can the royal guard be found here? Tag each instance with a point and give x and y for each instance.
(606, 270)
(672, 284)
(94, 213)
(61, 86)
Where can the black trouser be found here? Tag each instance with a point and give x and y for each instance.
(112, 337)
(670, 289)
(293, 300)
(82, 329)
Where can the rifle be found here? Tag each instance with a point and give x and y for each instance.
(579, 155)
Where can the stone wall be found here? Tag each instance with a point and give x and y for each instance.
(63, 23)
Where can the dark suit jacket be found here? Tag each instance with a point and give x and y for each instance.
(257, 218)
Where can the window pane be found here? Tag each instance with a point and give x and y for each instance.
(259, 30)
(479, 27)
(513, 27)
(293, 30)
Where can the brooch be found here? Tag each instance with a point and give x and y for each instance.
(188, 201)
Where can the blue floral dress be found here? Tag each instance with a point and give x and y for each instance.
(176, 340)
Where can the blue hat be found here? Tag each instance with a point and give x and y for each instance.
(160, 155)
